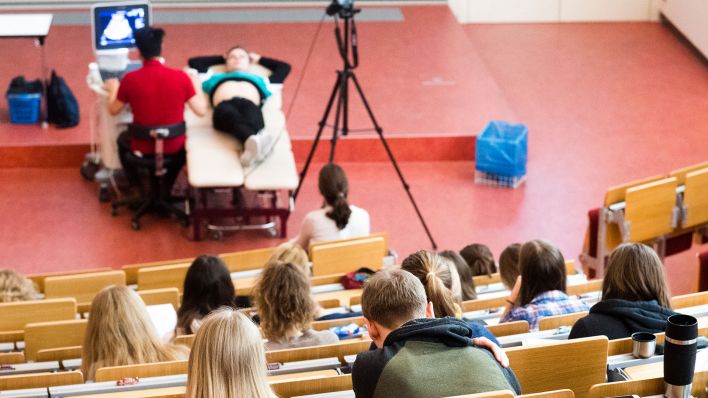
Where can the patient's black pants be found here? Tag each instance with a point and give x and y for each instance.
(238, 117)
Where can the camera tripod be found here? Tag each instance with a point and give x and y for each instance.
(340, 92)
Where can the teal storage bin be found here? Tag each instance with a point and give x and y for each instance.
(502, 149)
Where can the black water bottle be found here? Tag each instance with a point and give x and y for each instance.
(680, 355)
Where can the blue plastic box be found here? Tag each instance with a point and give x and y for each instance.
(502, 149)
(24, 108)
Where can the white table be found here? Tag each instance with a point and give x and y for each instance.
(33, 26)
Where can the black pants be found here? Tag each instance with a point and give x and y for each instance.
(238, 117)
(174, 165)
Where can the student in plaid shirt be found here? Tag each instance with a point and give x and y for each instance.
(540, 289)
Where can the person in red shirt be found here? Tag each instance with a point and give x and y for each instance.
(156, 95)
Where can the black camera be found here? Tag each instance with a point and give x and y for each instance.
(344, 8)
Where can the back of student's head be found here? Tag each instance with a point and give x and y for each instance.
(334, 188)
(509, 265)
(119, 332)
(465, 273)
(149, 41)
(392, 298)
(227, 358)
(439, 278)
(542, 269)
(635, 273)
(207, 286)
(15, 287)
(293, 253)
(283, 300)
(479, 258)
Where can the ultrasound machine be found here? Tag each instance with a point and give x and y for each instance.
(112, 35)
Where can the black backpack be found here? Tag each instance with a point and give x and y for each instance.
(62, 107)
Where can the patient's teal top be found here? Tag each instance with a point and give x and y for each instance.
(210, 84)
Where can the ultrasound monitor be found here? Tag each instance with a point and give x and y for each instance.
(113, 24)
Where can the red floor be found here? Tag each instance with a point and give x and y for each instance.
(605, 104)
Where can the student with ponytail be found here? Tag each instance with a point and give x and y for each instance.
(442, 287)
(337, 219)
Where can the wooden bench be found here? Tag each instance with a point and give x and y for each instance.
(646, 387)
(40, 380)
(11, 358)
(319, 385)
(689, 300)
(573, 364)
(168, 295)
(111, 373)
(17, 314)
(131, 270)
(162, 276)
(56, 334)
(590, 286)
(39, 278)
(338, 350)
(324, 325)
(508, 394)
(344, 256)
(695, 205)
(483, 280)
(509, 328)
(624, 346)
(82, 287)
(246, 260)
(556, 321)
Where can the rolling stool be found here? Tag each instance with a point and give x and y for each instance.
(155, 198)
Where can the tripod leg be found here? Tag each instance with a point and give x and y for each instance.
(341, 109)
(322, 124)
(379, 131)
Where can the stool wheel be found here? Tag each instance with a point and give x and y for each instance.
(135, 225)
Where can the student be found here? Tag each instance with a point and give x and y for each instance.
(119, 332)
(337, 219)
(417, 355)
(635, 297)
(509, 265)
(15, 287)
(286, 308)
(463, 270)
(442, 287)
(293, 253)
(227, 358)
(540, 289)
(479, 258)
(207, 286)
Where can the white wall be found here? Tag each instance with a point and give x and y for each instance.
(691, 18)
(499, 11)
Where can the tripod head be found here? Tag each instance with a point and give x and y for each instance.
(347, 43)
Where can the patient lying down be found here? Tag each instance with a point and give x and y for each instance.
(237, 96)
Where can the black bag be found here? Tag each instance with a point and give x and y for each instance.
(19, 85)
(62, 107)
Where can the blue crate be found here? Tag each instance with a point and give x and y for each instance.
(502, 149)
(24, 108)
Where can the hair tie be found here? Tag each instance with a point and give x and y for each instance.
(430, 274)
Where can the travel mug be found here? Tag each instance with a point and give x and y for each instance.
(680, 355)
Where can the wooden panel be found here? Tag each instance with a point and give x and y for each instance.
(483, 304)
(326, 279)
(59, 354)
(347, 256)
(246, 260)
(649, 209)
(333, 302)
(509, 328)
(574, 364)
(16, 315)
(488, 394)
(616, 194)
(163, 276)
(39, 380)
(645, 388)
(142, 370)
(570, 269)
(39, 278)
(483, 280)
(594, 285)
(45, 335)
(554, 322)
(131, 270)
(344, 296)
(186, 340)
(681, 173)
(689, 300)
(303, 375)
(695, 198)
(624, 346)
(169, 295)
(166, 392)
(288, 389)
(82, 287)
(324, 325)
(339, 350)
(11, 358)
(551, 394)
